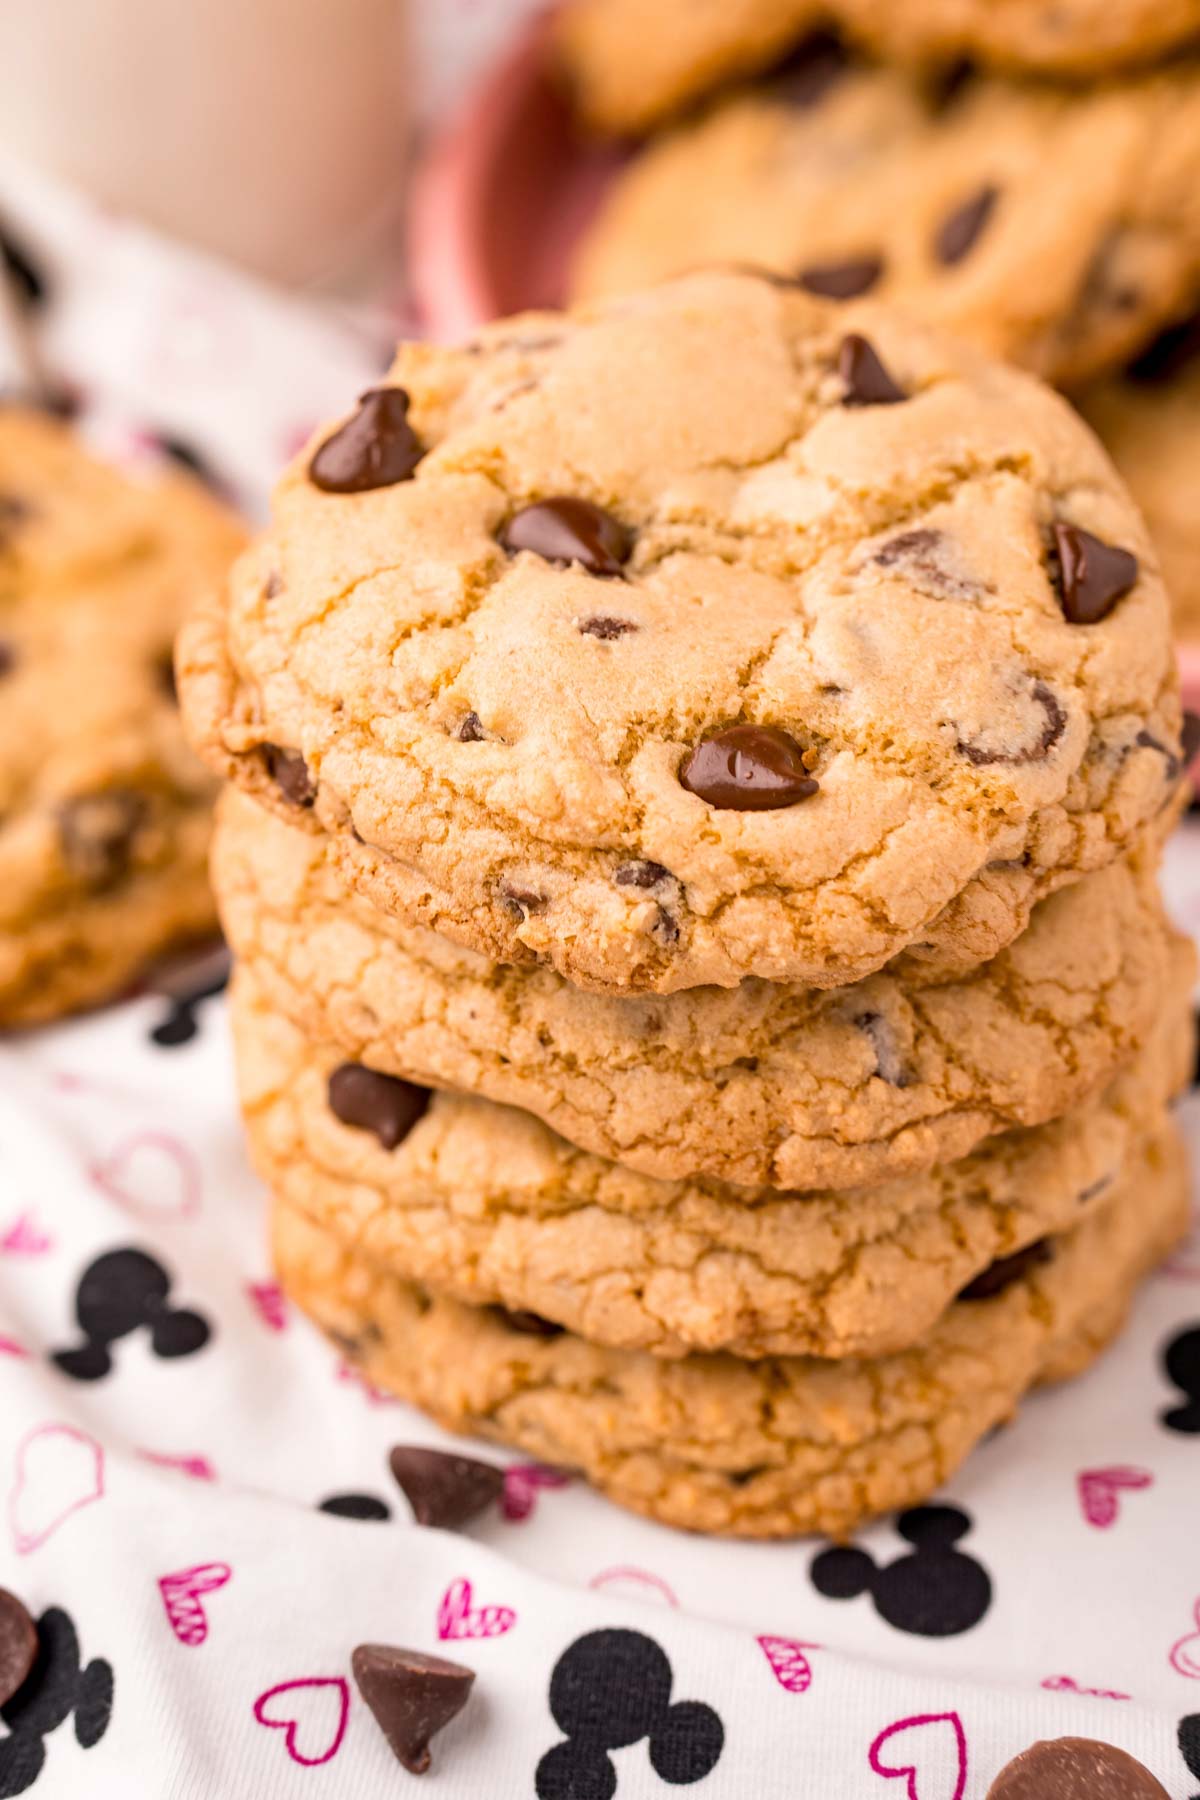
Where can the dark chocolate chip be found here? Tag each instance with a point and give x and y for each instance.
(565, 530)
(412, 1696)
(376, 448)
(842, 280)
(959, 230)
(24, 274)
(666, 927)
(641, 874)
(18, 1645)
(520, 902)
(748, 768)
(444, 1489)
(1053, 725)
(1001, 1274)
(1146, 740)
(810, 71)
(8, 657)
(291, 774)
(97, 832)
(470, 730)
(866, 380)
(529, 1324)
(600, 626)
(355, 1506)
(1075, 1769)
(1169, 354)
(1091, 575)
(273, 585)
(383, 1104)
(928, 557)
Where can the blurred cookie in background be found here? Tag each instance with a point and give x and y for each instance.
(1056, 227)
(104, 812)
(1068, 38)
(1149, 419)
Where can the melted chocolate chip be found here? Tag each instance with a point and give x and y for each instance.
(641, 874)
(842, 280)
(565, 530)
(291, 774)
(1002, 1273)
(97, 832)
(18, 1645)
(412, 1696)
(600, 626)
(1169, 354)
(273, 585)
(959, 230)
(376, 448)
(529, 1324)
(866, 380)
(521, 901)
(666, 927)
(748, 768)
(928, 557)
(164, 670)
(1075, 1769)
(1091, 576)
(8, 657)
(1146, 740)
(383, 1104)
(470, 731)
(445, 1490)
(1054, 724)
(810, 71)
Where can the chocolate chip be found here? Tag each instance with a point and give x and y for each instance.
(959, 230)
(1091, 576)
(889, 1065)
(866, 380)
(928, 558)
(23, 273)
(1075, 1769)
(1053, 726)
(443, 1489)
(666, 927)
(373, 1102)
(291, 774)
(1169, 354)
(810, 71)
(412, 1696)
(18, 1645)
(748, 768)
(1002, 1273)
(842, 280)
(164, 670)
(565, 530)
(520, 902)
(1189, 738)
(273, 585)
(641, 874)
(529, 1324)
(97, 833)
(1146, 740)
(470, 730)
(376, 448)
(599, 626)
(8, 657)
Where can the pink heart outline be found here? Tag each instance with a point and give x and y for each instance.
(1185, 1655)
(457, 1618)
(909, 1770)
(788, 1663)
(107, 1173)
(1067, 1684)
(1099, 1489)
(198, 1467)
(10, 1347)
(182, 1597)
(290, 1724)
(25, 1542)
(628, 1572)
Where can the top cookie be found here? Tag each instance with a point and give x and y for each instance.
(1076, 38)
(715, 632)
(1056, 228)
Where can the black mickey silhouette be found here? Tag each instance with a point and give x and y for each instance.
(1189, 1744)
(934, 1591)
(611, 1689)
(355, 1506)
(184, 986)
(55, 1688)
(117, 1294)
(1181, 1360)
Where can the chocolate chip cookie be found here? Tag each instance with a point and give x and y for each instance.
(1055, 227)
(105, 814)
(756, 1449)
(716, 631)
(483, 1203)
(1149, 420)
(1071, 38)
(762, 1084)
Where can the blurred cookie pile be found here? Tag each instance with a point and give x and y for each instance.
(1026, 172)
(704, 1010)
(105, 814)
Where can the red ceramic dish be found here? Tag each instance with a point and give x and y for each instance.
(500, 200)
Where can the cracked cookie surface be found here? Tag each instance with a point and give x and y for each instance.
(1149, 421)
(105, 813)
(761, 1084)
(765, 1449)
(484, 1204)
(1056, 228)
(885, 660)
(1070, 38)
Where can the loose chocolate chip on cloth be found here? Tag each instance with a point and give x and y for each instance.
(412, 1695)
(760, 448)
(445, 1490)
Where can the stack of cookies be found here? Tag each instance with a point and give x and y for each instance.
(1023, 172)
(705, 1013)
